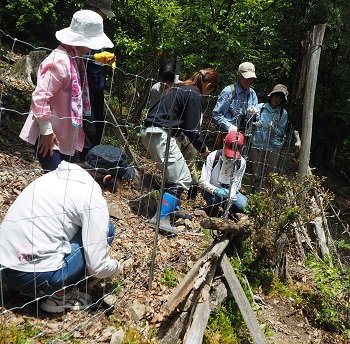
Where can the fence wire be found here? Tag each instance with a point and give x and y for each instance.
(128, 97)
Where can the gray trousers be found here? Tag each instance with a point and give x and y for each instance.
(176, 170)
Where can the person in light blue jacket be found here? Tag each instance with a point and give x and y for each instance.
(237, 103)
(269, 131)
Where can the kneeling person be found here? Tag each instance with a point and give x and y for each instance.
(56, 229)
(222, 175)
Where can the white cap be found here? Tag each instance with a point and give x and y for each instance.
(247, 70)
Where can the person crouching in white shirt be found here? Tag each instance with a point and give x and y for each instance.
(58, 232)
(221, 178)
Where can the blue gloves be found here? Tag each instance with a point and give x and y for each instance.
(221, 192)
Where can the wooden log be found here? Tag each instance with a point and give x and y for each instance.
(319, 231)
(300, 244)
(186, 284)
(242, 302)
(172, 330)
(226, 226)
(321, 237)
(26, 68)
(281, 262)
(297, 143)
(7, 59)
(218, 295)
(5, 82)
(201, 313)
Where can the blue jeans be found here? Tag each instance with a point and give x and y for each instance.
(50, 163)
(43, 283)
(215, 202)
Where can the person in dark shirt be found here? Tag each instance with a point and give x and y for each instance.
(96, 73)
(178, 111)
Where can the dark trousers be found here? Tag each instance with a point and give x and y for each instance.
(216, 205)
(50, 163)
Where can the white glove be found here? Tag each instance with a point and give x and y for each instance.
(251, 111)
(118, 272)
(232, 128)
(258, 124)
(122, 268)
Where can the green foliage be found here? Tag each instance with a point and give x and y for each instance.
(36, 21)
(289, 290)
(207, 235)
(226, 326)
(117, 286)
(145, 32)
(17, 334)
(330, 303)
(135, 336)
(273, 211)
(169, 277)
(343, 244)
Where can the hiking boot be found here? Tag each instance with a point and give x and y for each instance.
(169, 204)
(72, 300)
(164, 225)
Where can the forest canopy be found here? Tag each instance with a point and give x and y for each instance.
(221, 34)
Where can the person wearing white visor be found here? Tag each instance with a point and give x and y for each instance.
(60, 101)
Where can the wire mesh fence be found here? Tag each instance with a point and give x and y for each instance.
(127, 100)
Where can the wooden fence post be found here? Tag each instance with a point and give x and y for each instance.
(309, 97)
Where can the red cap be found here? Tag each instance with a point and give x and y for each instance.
(234, 142)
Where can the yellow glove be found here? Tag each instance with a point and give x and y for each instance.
(105, 57)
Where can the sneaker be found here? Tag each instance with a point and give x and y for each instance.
(72, 300)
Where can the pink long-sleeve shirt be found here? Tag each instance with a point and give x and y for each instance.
(51, 101)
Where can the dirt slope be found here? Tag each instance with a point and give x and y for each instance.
(18, 167)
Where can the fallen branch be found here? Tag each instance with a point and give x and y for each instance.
(186, 284)
(242, 302)
(201, 314)
(227, 227)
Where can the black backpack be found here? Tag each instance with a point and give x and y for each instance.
(237, 164)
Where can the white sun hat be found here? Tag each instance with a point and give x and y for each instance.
(85, 30)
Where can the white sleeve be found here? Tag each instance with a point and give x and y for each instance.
(95, 219)
(204, 181)
(45, 127)
(237, 180)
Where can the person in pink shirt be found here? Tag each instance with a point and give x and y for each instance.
(60, 101)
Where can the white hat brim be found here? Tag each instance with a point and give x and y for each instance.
(248, 75)
(69, 37)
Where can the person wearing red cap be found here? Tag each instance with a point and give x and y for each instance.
(222, 175)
